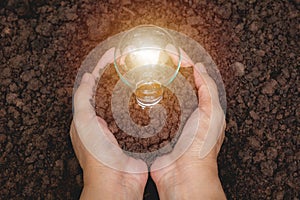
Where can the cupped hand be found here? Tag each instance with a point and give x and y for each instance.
(194, 175)
(107, 171)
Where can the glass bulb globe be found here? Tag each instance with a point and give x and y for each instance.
(147, 59)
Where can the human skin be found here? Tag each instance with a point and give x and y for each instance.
(100, 180)
(103, 182)
(190, 177)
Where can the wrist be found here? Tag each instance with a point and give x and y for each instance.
(191, 182)
(110, 192)
(111, 184)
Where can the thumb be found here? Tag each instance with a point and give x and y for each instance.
(83, 109)
(210, 109)
(207, 89)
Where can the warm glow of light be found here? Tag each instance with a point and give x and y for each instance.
(147, 56)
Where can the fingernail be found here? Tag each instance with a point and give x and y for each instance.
(200, 68)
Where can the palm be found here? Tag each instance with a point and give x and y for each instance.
(104, 157)
(208, 124)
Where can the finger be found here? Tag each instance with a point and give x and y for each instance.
(93, 131)
(210, 106)
(83, 109)
(107, 132)
(220, 140)
(102, 146)
(202, 78)
(217, 121)
(129, 163)
(185, 59)
(184, 142)
(77, 145)
(107, 58)
(207, 89)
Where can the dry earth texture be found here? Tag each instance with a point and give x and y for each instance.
(254, 43)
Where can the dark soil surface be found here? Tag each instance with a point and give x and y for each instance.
(139, 115)
(254, 43)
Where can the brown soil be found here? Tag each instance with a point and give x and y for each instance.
(138, 115)
(168, 134)
(254, 43)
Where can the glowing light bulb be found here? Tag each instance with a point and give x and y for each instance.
(145, 57)
(143, 62)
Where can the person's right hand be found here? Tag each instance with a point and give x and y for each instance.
(195, 174)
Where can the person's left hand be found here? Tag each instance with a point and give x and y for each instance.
(99, 176)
